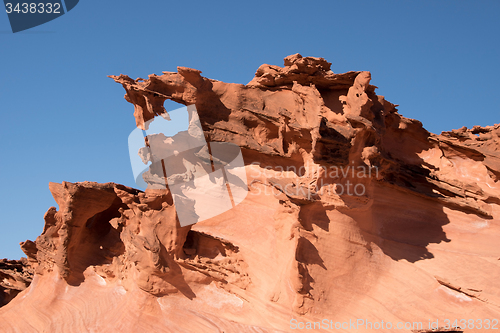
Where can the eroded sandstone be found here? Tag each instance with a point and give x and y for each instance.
(353, 211)
(15, 276)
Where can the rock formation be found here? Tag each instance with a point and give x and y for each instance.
(15, 276)
(354, 212)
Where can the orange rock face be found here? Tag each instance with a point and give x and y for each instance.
(356, 218)
(15, 275)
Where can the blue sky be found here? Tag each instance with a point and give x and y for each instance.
(64, 120)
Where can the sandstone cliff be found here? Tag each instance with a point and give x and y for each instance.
(353, 212)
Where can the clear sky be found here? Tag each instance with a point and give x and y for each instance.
(64, 120)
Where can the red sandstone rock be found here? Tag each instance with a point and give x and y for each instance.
(417, 241)
(15, 276)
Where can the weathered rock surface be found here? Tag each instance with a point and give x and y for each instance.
(15, 276)
(353, 212)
